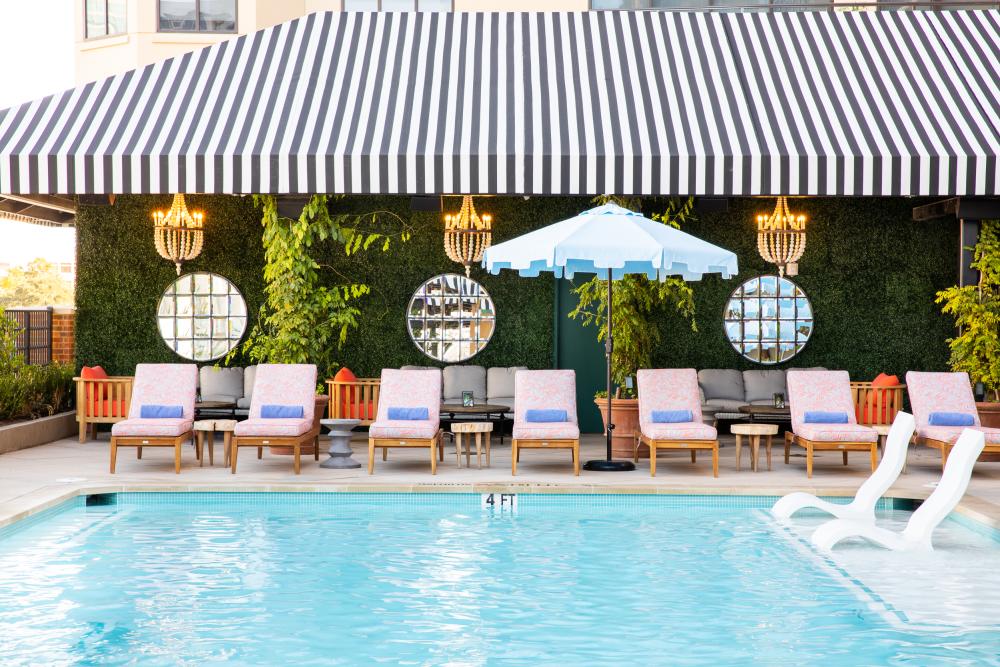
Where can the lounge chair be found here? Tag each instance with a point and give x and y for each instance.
(409, 414)
(545, 414)
(920, 528)
(823, 417)
(161, 412)
(282, 411)
(670, 415)
(948, 395)
(862, 508)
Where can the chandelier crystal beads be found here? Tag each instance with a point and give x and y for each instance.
(177, 233)
(781, 238)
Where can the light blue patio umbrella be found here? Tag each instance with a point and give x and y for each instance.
(613, 241)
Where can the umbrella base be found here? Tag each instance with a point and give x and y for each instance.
(606, 465)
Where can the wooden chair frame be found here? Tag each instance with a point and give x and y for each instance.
(882, 399)
(113, 390)
(946, 447)
(812, 446)
(517, 444)
(261, 441)
(140, 441)
(435, 445)
(691, 445)
(361, 396)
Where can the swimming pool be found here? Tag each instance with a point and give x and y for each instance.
(289, 578)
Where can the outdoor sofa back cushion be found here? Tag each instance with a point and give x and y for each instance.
(500, 384)
(723, 383)
(762, 385)
(249, 375)
(464, 378)
(221, 384)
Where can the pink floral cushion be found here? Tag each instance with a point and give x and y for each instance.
(164, 384)
(284, 384)
(940, 392)
(670, 389)
(410, 389)
(836, 433)
(681, 431)
(545, 390)
(950, 434)
(551, 431)
(272, 427)
(824, 391)
(402, 428)
(151, 427)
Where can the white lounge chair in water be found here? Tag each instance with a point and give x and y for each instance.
(862, 508)
(917, 534)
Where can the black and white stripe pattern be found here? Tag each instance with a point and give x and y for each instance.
(810, 103)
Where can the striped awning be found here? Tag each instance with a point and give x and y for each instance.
(650, 102)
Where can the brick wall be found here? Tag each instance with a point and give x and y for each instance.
(63, 335)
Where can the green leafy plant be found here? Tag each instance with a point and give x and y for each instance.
(635, 297)
(29, 392)
(976, 309)
(301, 319)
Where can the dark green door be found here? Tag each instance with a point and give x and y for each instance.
(577, 347)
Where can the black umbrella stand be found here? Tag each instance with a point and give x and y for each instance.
(608, 464)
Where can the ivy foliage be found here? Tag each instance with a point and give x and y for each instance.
(976, 309)
(302, 319)
(635, 300)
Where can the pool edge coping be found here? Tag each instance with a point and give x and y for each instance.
(44, 498)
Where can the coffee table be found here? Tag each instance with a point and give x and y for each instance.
(202, 407)
(491, 412)
(767, 413)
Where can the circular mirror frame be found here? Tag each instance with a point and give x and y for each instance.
(204, 319)
(788, 309)
(430, 331)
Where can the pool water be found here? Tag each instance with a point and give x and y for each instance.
(435, 579)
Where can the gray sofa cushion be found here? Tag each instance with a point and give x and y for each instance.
(221, 384)
(722, 383)
(249, 375)
(762, 385)
(725, 404)
(457, 379)
(243, 403)
(500, 384)
(414, 368)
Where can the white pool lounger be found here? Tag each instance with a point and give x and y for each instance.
(917, 534)
(862, 508)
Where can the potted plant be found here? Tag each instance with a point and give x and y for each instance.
(976, 309)
(636, 335)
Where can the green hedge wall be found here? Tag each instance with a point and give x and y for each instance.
(869, 270)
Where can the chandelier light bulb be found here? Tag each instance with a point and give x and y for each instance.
(178, 234)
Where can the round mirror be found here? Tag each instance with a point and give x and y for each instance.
(451, 318)
(202, 316)
(768, 319)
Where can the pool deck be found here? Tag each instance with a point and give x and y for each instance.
(34, 479)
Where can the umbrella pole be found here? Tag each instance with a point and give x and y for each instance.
(607, 464)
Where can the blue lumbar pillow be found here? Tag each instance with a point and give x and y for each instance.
(282, 412)
(545, 416)
(820, 417)
(951, 419)
(409, 414)
(672, 416)
(161, 412)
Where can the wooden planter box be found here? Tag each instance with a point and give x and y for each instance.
(34, 432)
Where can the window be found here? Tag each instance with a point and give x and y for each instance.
(451, 318)
(716, 5)
(197, 15)
(768, 319)
(104, 17)
(397, 5)
(202, 316)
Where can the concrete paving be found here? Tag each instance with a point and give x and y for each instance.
(37, 478)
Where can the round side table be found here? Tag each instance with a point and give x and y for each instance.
(462, 429)
(754, 431)
(340, 443)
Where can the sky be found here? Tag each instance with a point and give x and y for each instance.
(36, 51)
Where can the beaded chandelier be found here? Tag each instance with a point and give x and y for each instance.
(178, 234)
(781, 238)
(467, 234)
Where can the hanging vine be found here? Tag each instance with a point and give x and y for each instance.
(303, 320)
(635, 297)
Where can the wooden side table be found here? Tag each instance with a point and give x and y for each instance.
(462, 429)
(204, 432)
(754, 432)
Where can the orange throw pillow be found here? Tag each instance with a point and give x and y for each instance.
(96, 395)
(884, 396)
